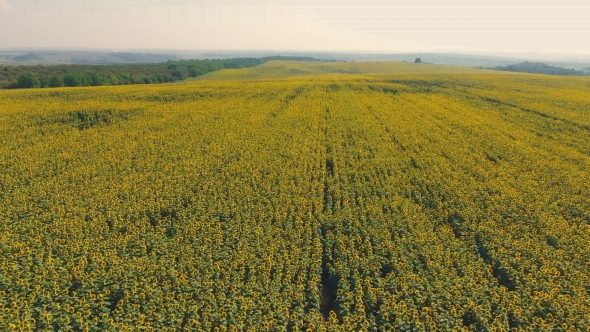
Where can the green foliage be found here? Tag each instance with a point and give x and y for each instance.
(541, 68)
(178, 74)
(29, 80)
(76, 79)
(96, 75)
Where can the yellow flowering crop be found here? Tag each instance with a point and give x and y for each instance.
(299, 197)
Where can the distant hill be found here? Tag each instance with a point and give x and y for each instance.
(26, 57)
(34, 57)
(283, 69)
(90, 57)
(542, 68)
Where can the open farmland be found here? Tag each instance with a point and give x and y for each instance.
(299, 197)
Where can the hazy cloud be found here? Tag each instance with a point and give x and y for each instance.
(303, 25)
(5, 6)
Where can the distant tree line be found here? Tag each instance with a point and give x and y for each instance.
(48, 76)
(541, 68)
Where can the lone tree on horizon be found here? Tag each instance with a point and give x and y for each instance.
(418, 60)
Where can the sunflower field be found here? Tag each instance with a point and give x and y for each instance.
(332, 197)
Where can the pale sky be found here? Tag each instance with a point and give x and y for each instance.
(301, 25)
